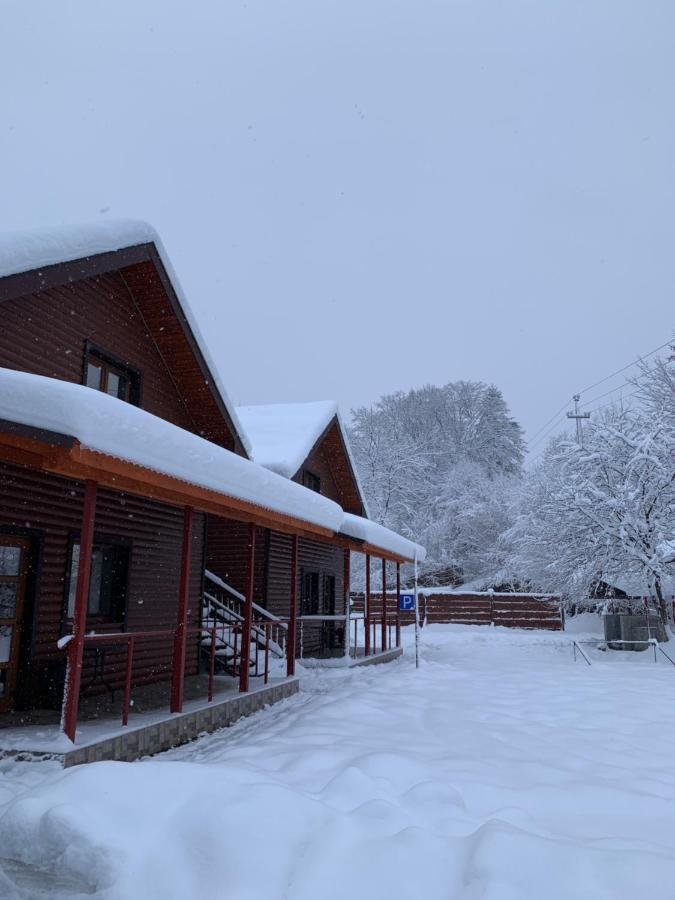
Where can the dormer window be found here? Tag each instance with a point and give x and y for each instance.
(311, 481)
(103, 372)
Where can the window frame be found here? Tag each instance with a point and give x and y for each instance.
(109, 363)
(305, 597)
(311, 481)
(109, 620)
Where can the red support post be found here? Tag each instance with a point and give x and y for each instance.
(398, 604)
(71, 694)
(212, 662)
(180, 637)
(293, 610)
(245, 656)
(346, 583)
(267, 653)
(366, 609)
(384, 604)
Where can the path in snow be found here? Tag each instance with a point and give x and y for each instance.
(500, 770)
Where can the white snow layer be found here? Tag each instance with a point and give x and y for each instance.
(282, 435)
(24, 251)
(373, 533)
(500, 770)
(111, 426)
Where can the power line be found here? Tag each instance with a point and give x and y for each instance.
(623, 368)
(535, 439)
(562, 409)
(615, 389)
(548, 432)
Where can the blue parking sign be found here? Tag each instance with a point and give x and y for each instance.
(406, 601)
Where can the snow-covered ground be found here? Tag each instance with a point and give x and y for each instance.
(501, 770)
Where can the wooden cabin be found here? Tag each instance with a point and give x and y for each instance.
(308, 444)
(126, 479)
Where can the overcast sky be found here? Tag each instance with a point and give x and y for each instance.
(361, 196)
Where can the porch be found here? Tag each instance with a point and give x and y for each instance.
(151, 728)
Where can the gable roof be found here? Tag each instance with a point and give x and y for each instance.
(34, 260)
(283, 436)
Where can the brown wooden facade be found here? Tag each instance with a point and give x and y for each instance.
(51, 322)
(152, 535)
(321, 565)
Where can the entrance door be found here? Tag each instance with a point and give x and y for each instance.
(13, 571)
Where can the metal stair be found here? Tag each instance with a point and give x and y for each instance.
(223, 609)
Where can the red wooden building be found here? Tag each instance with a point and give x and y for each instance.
(125, 474)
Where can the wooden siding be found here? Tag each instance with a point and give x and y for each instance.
(227, 543)
(126, 314)
(329, 460)
(227, 554)
(48, 508)
(537, 611)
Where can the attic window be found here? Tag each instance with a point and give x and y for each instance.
(103, 372)
(311, 481)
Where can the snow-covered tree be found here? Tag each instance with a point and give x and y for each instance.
(435, 462)
(605, 509)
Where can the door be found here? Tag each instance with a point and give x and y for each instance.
(13, 573)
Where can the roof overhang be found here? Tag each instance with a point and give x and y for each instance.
(61, 454)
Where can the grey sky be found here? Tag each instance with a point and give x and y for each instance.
(367, 195)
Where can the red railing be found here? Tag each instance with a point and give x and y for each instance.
(221, 634)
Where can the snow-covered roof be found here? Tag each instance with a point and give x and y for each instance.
(282, 435)
(107, 425)
(25, 251)
(379, 536)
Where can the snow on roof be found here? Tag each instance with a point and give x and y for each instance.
(111, 426)
(25, 251)
(282, 434)
(379, 536)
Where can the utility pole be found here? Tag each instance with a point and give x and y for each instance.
(578, 416)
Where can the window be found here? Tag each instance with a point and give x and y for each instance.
(329, 595)
(310, 594)
(104, 373)
(311, 481)
(108, 582)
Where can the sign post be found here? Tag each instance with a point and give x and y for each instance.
(417, 619)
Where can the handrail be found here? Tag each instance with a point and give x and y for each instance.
(224, 585)
(240, 597)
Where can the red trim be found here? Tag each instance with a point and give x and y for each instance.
(384, 604)
(244, 659)
(346, 587)
(293, 611)
(366, 611)
(398, 604)
(180, 639)
(71, 696)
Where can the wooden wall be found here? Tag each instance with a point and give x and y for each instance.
(48, 509)
(540, 611)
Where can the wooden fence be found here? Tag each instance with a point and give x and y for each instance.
(540, 611)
